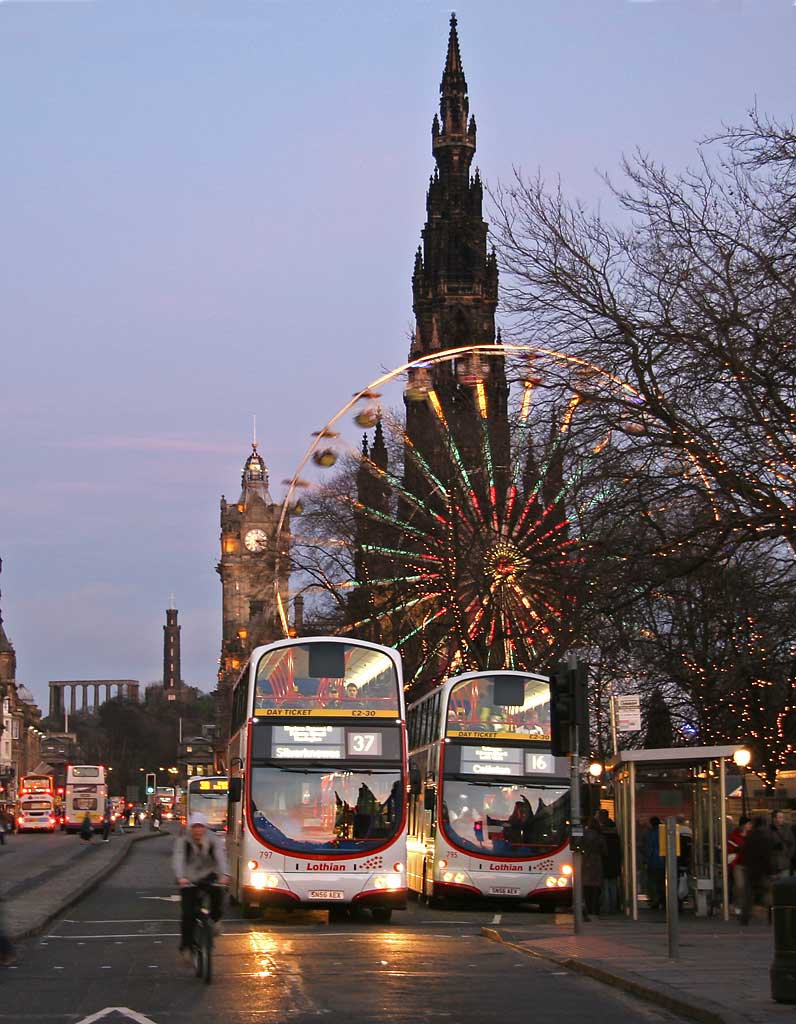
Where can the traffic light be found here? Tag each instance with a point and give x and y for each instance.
(151, 780)
(569, 709)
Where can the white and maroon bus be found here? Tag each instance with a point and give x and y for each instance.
(318, 778)
(490, 806)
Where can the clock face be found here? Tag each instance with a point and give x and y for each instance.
(256, 540)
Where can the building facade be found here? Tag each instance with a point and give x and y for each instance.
(20, 731)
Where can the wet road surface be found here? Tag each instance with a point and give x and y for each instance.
(117, 949)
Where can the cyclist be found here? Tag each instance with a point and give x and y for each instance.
(200, 862)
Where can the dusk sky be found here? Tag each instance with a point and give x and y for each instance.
(210, 209)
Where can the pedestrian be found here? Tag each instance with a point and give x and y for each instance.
(784, 844)
(655, 865)
(612, 864)
(758, 862)
(591, 866)
(107, 821)
(736, 871)
(86, 828)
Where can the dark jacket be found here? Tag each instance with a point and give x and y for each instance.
(758, 854)
(783, 844)
(594, 849)
(612, 859)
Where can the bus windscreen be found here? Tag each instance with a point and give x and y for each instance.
(326, 679)
(325, 811)
(501, 707)
(491, 819)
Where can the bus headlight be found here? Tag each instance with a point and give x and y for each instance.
(264, 880)
(566, 869)
(391, 881)
(562, 881)
(550, 882)
(456, 877)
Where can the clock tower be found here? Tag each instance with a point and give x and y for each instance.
(248, 569)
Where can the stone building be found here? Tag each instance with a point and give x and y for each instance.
(20, 732)
(173, 685)
(251, 612)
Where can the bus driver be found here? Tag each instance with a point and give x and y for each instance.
(199, 861)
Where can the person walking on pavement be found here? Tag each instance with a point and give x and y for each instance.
(737, 873)
(758, 861)
(784, 844)
(107, 821)
(612, 864)
(594, 849)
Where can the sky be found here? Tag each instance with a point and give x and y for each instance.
(209, 210)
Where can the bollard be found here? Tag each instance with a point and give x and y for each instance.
(783, 968)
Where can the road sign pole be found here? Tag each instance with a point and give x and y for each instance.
(577, 833)
(577, 823)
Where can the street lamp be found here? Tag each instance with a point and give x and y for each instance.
(742, 758)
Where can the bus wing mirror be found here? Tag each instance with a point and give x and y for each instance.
(235, 789)
(430, 798)
(415, 782)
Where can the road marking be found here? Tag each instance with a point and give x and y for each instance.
(497, 919)
(175, 898)
(124, 935)
(139, 1018)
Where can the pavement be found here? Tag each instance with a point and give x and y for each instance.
(36, 891)
(720, 977)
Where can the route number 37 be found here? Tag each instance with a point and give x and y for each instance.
(363, 744)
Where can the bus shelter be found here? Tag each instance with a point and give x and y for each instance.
(690, 784)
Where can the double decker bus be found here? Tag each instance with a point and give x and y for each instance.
(36, 784)
(209, 794)
(86, 793)
(36, 811)
(317, 792)
(166, 796)
(489, 811)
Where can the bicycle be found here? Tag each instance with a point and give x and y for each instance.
(202, 939)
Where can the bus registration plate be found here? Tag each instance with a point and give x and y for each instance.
(503, 890)
(326, 894)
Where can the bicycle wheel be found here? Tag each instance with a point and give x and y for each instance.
(198, 948)
(207, 952)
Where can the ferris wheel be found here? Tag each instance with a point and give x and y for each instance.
(452, 506)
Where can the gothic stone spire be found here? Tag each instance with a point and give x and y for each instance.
(454, 280)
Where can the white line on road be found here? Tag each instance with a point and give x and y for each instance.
(135, 920)
(123, 935)
(139, 1018)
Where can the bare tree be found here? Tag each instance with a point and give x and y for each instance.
(690, 296)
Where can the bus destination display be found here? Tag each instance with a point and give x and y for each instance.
(512, 761)
(330, 742)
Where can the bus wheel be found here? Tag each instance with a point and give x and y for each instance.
(382, 915)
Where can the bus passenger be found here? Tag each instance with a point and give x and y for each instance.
(351, 699)
(519, 827)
